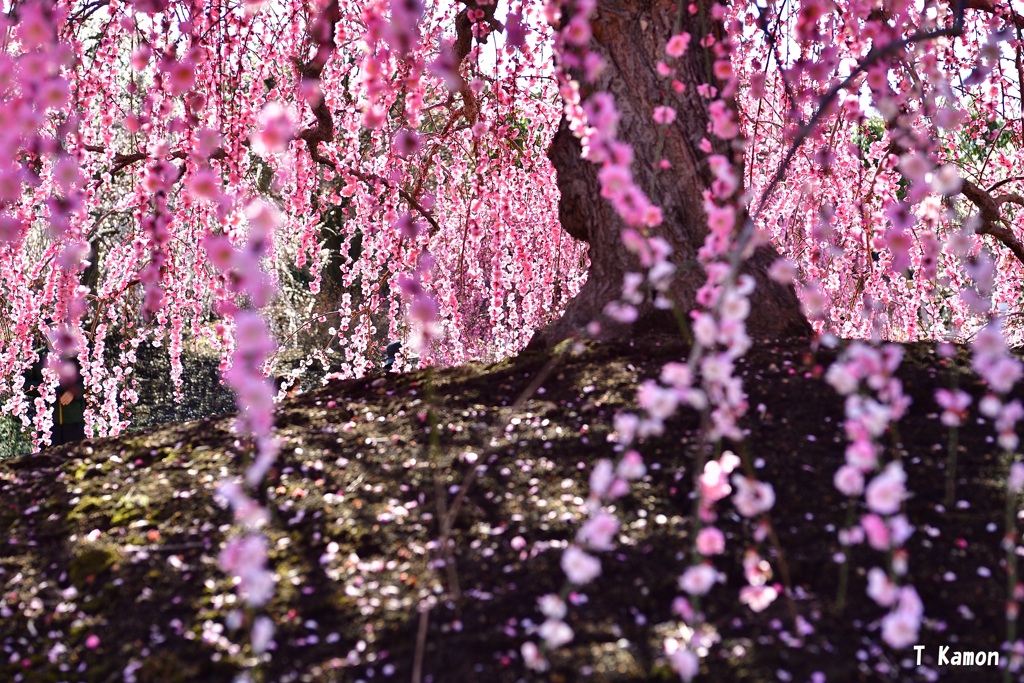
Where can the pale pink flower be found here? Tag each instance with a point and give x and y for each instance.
(631, 466)
(723, 120)
(622, 313)
(602, 114)
(625, 425)
(954, 405)
(758, 598)
(849, 480)
(862, 454)
(900, 629)
(880, 588)
(181, 76)
(782, 271)
(552, 606)
(677, 375)
(407, 143)
(204, 184)
(615, 180)
(601, 477)
(532, 657)
(886, 492)
(946, 180)
(577, 33)
(1016, 479)
(659, 402)
(274, 130)
(752, 497)
(598, 531)
(555, 633)
(877, 531)
(579, 567)
(841, 379)
(262, 632)
(685, 663)
(710, 541)
(714, 482)
(698, 580)
(664, 115)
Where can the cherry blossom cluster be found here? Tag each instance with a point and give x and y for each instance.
(244, 557)
(608, 482)
(884, 526)
(878, 259)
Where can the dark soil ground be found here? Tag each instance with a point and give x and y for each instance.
(118, 538)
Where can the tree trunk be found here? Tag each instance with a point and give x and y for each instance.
(631, 38)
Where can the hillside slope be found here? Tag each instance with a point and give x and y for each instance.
(108, 561)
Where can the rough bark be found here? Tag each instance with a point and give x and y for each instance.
(631, 38)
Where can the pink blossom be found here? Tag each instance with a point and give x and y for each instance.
(615, 180)
(677, 45)
(552, 606)
(631, 466)
(758, 598)
(515, 31)
(407, 143)
(710, 541)
(880, 588)
(685, 663)
(579, 567)
(601, 477)
(877, 531)
(954, 404)
(625, 425)
(532, 657)
(849, 480)
(1016, 479)
(659, 402)
(578, 31)
(664, 115)
(886, 492)
(262, 632)
(714, 482)
(900, 628)
(699, 579)
(602, 114)
(204, 184)
(598, 531)
(723, 120)
(752, 497)
(862, 454)
(841, 378)
(555, 633)
(274, 130)
(181, 76)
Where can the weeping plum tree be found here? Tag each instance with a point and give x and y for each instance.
(420, 137)
(495, 176)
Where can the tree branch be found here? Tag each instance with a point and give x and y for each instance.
(990, 7)
(992, 221)
(874, 55)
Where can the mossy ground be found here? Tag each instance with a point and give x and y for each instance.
(118, 538)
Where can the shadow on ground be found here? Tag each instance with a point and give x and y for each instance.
(109, 562)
